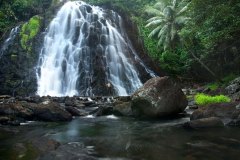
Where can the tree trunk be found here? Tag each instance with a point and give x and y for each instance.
(204, 65)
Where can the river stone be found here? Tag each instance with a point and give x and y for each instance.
(103, 110)
(227, 112)
(52, 112)
(210, 122)
(4, 119)
(122, 108)
(16, 110)
(159, 97)
(69, 101)
(48, 111)
(4, 96)
(75, 111)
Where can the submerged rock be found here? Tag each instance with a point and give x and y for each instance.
(205, 123)
(34, 148)
(69, 151)
(159, 97)
(43, 144)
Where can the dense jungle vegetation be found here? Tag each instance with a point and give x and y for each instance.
(191, 39)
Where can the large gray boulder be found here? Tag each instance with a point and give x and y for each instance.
(233, 89)
(159, 97)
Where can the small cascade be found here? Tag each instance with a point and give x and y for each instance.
(86, 52)
(9, 40)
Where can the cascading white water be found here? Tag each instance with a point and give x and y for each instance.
(84, 45)
(9, 40)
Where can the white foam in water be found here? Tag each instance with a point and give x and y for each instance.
(26, 123)
(89, 99)
(89, 116)
(112, 117)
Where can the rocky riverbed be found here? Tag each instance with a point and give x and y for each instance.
(158, 98)
(148, 102)
(110, 128)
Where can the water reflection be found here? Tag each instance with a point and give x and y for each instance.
(125, 138)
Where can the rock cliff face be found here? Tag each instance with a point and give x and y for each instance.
(18, 72)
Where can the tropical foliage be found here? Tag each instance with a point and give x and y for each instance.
(15, 11)
(168, 19)
(28, 31)
(186, 36)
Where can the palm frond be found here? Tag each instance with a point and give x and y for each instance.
(160, 5)
(156, 30)
(182, 20)
(155, 12)
(154, 18)
(169, 19)
(156, 22)
(161, 40)
(183, 10)
(162, 31)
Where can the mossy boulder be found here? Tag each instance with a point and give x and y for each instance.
(159, 97)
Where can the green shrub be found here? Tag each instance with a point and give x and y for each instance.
(224, 82)
(229, 78)
(213, 86)
(202, 99)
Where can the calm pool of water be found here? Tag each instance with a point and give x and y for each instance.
(111, 138)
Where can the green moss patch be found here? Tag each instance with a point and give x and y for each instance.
(28, 31)
(203, 99)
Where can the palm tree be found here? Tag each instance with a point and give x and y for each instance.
(168, 18)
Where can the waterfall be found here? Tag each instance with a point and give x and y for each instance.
(86, 52)
(9, 40)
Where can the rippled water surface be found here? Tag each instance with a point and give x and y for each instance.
(124, 138)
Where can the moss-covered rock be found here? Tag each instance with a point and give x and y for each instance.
(159, 97)
(28, 32)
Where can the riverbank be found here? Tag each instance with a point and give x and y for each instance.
(148, 103)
